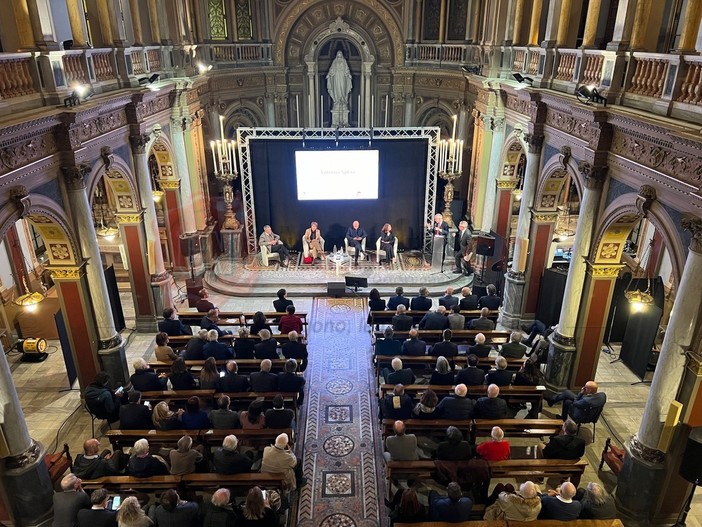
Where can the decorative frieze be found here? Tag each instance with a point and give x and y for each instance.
(18, 155)
(588, 131)
(604, 271)
(66, 273)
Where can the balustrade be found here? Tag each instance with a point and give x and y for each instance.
(153, 57)
(533, 68)
(691, 89)
(520, 57)
(259, 53)
(74, 68)
(566, 66)
(102, 63)
(592, 72)
(138, 66)
(649, 75)
(15, 77)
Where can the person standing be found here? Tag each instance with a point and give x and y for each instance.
(272, 241)
(463, 246)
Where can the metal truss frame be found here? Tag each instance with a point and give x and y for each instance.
(245, 135)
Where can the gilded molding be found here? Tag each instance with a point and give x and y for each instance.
(508, 184)
(129, 218)
(544, 217)
(604, 271)
(169, 184)
(66, 273)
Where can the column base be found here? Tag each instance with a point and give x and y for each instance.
(512, 300)
(231, 242)
(161, 289)
(639, 486)
(561, 357)
(114, 360)
(28, 486)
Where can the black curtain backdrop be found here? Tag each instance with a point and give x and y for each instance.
(401, 192)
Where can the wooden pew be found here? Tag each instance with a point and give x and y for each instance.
(226, 318)
(266, 436)
(177, 395)
(385, 317)
(461, 337)
(181, 341)
(273, 318)
(192, 481)
(429, 362)
(534, 428)
(244, 365)
(208, 437)
(509, 523)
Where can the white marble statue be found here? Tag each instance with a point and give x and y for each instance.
(339, 87)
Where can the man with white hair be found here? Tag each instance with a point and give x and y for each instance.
(227, 460)
(267, 348)
(193, 350)
(399, 375)
(279, 458)
(145, 379)
(500, 376)
(566, 445)
(215, 349)
(479, 349)
(401, 321)
(69, 501)
(219, 511)
(469, 301)
(414, 346)
(559, 504)
(458, 406)
(294, 349)
(142, 464)
(492, 406)
(448, 300)
(597, 503)
(523, 505)
(497, 448)
(514, 349)
(264, 380)
(463, 247)
(272, 241)
(434, 320)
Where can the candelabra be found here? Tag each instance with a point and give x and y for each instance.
(223, 153)
(450, 169)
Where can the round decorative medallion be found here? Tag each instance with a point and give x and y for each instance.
(339, 308)
(338, 446)
(338, 520)
(339, 387)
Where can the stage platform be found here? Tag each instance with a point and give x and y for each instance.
(251, 278)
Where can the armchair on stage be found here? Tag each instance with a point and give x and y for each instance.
(352, 250)
(380, 252)
(306, 246)
(266, 255)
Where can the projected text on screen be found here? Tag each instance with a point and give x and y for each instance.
(336, 174)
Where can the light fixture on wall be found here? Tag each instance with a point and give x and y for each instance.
(589, 94)
(158, 192)
(521, 78)
(638, 300)
(224, 162)
(203, 68)
(29, 299)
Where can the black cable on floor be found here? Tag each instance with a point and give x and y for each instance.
(61, 427)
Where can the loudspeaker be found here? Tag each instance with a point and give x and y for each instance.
(485, 245)
(193, 286)
(336, 289)
(189, 245)
(691, 464)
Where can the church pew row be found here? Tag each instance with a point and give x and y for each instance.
(180, 341)
(509, 523)
(121, 439)
(533, 428)
(428, 362)
(509, 468)
(244, 365)
(237, 318)
(385, 317)
(512, 394)
(464, 337)
(264, 480)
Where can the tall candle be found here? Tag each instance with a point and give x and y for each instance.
(372, 111)
(453, 133)
(233, 158)
(297, 110)
(321, 111)
(221, 127)
(387, 107)
(358, 110)
(214, 157)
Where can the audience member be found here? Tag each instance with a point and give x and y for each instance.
(209, 322)
(407, 508)
(218, 512)
(142, 464)
(452, 508)
(258, 323)
(528, 375)
(145, 379)
(203, 305)
(448, 300)
(479, 349)
(388, 345)
(443, 374)
(180, 377)
(102, 402)
(194, 417)
(535, 329)
(399, 375)
(491, 301)
(172, 325)
(98, 515)
(282, 302)
(514, 349)
(257, 511)
(267, 348)
(596, 503)
(457, 406)
(91, 464)
(290, 321)
(523, 505)
(174, 512)
(421, 302)
(375, 303)
(289, 381)
(483, 323)
(565, 445)
(165, 419)
(193, 349)
(582, 406)
(69, 501)
(471, 375)
(130, 514)
(162, 351)
(445, 348)
(227, 460)
(184, 458)
(279, 417)
(456, 321)
(135, 416)
(253, 418)
(223, 418)
(454, 448)
(279, 458)
(401, 446)
(294, 349)
(496, 448)
(426, 407)
(214, 349)
(396, 405)
(209, 375)
(244, 346)
(500, 376)
(469, 301)
(264, 380)
(401, 321)
(399, 299)
(492, 406)
(232, 380)
(434, 320)
(413, 346)
(559, 504)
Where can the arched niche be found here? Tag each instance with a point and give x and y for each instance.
(119, 182)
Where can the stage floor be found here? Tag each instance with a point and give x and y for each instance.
(251, 278)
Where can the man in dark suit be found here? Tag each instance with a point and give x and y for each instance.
(470, 375)
(480, 349)
(193, 350)
(395, 301)
(290, 381)
(463, 246)
(399, 375)
(396, 405)
(279, 416)
(435, 319)
(144, 379)
(209, 321)
(560, 505)
(171, 325)
(216, 349)
(282, 302)
(294, 349)
(491, 301)
(483, 323)
(135, 416)
(448, 300)
(227, 460)
(355, 235)
(500, 376)
(203, 305)
(458, 406)
(582, 406)
(421, 302)
(264, 380)
(453, 508)
(491, 407)
(267, 348)
(388, 345)
(565, 445)
(232, 381)
(402, 321)
(469, 301)
(514, 349)
(413, 346)
(445, 348)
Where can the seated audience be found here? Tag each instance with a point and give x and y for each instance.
(559, 504)
(469, 301)
(184, 458)
(421, 302)
(443, 374)
(398, 375)
(102, 402)
(223, 418)
(145, 379)
(454, 448)
(130, 514)
(445, 348)
(232, 380)
(401, 321)
(289, 381)
(162, 351)
(388, 345)
(91, 464)
(142, 464)
(426, 407)
(257, 511)
(491, 301)
(596, 503)
(258, 323)
(528, 375)
(523, 505)
(203, 305)
(471, 375)
(218, 512)
(244, 346)
(479, 349)
(264, 380)
(214, 349)
(401, 446)
(194, 347)
(457, 321)
(448, 300)
(69, 501)
(209, 375)
(294, 349)
(174, 512)
(406, 508)
(279, 458)
(194, 418)
(457, 406)
(565, 445)
(435, 320)
(396, 405)
(514, 349)
(135, 416)
(375, 303)
(253, 418)
(395, 301)
(290, 321)
(583, 406)
(537, 328)
(165, 419)
(282, 302)
(453, 508)
(227, 460)
(413, 346)
(496, 448)
(267, 348)
(483, 323)
(492, 406)
(209, 322)
(98, 515)
(279, 417)
(180, 377)
(171, 325)
(500, 376)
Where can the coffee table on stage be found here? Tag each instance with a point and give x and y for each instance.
(340, 259)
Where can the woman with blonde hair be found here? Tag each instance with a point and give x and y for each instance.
(442, 375)
(130, 514)
(164, 419)
(313, 238)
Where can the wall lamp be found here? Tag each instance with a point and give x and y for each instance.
(521, 78)
(471, 70)
(589, 95)
(149, 80)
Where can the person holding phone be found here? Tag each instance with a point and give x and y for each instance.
(98, 515)
(102, 402)
(257, 511)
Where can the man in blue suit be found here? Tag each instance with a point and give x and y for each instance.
(453, 508)
(398, 299)
(355, 235)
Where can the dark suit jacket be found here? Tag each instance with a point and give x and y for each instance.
(421, 303)
(456, 408)
(402, 322)
(513, 350)
(489, 301)
(193, 350)
(584, 406)
(174, 328)
(352, 233)
(207, 324)
(244, 348)
(281, 304)
(443, 229)
(470, 377)
(444, 349)
(297, 351)
(469, 303)
(404, 376)
(218, 350)
(444, 509)
(402, 412)
(487, 408)
(228, 462)
(203, 305)
(279, 418)
(434, 320)
(448, 301)
(266, 349)
(395, 301)
(454, 451)
(263, 381)
(442, 379)
(482, 324)
(289, 382)
(564, 447)
(388, 347)
(135, 417)
(554, 509)
(414, 347)
(147, 381)
(499, 377)
(479, 350)
(233, 382)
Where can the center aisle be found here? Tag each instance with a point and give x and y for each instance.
(338, 420)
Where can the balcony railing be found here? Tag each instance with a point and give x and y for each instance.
(438, 54)
(242, 54)
(16, 79)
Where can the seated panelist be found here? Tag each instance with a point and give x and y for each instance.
(312, 237)
(272, 241)
(355, 236)
(387, 242)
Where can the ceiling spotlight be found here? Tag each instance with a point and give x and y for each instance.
(521, 78)
(589, 94)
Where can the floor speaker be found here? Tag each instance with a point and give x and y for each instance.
(336, 289)
(691, 465)
(485, 245)
(193, 286)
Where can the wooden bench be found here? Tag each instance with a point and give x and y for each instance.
(243, 365)
(534, 428)
(181, 341)
(459, 337)
(208, 437)
(509, 523)
(192, 481)
(385, 317)
(428, 362)
(237, 318)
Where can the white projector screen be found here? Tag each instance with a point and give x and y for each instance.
(336, 174)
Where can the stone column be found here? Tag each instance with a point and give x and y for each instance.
(535, 22)
(23, 23)
(409, 109)
(503, 214)
(42, 24)
(442, 22)
(418, 18)
(543, 225)
(76, 17)
(105, 22)
(153, 22)
(518, 23)
(691, 25)
(178, 130)
(562, 350)
(136, 22)
(564, 23)
(638, 28)
(514, 279)
(591, 22)
(119, 35)
(171, 187)
(480, 175)
(25, 476)
(498, 135)
(110, 346)
(198, 197)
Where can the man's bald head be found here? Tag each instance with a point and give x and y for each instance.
(493, 391)
(413, 333)
(484, 312)
(91, 447)
(590, 387)
(567, 490)
(480, 338)
(528, 489)
(399, 428)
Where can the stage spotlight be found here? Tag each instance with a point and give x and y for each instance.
(67, 44)
(154, 78)
(471, 70)
(521, 78)
(589, 94)
(203, 68)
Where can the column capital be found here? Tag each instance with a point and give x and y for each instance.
(647, 195)
(693, 224)
(129, 218)
(139, 142)
(181, 123)
(543, 217)
(594, 176)
(535, 142)
(73, 272)
(508, 184)
(20, 195)
(495, 123)
(603, 271)
(75, 176)
(169, 184)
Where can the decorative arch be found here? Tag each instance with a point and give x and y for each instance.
(301, 18)
(514, 147)
(362, 40)
(439, 114)
(242, 114)
(119, 181)
(617, 222)
(555, 173)
(162, 149)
